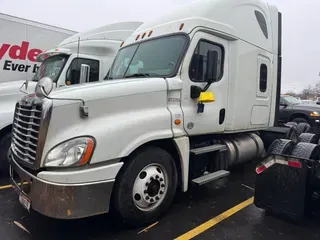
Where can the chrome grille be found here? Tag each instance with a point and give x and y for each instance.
(25, 132)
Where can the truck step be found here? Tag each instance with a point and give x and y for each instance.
(210, 177)
(212, 148)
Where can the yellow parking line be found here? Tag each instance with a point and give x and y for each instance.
(205, 226)
(9, 186)
(5, 187)
(147, 228)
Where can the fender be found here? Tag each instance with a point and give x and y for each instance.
(183, 147)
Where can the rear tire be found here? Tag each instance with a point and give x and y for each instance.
(150, 173)
(302, 128)
(306, 151)
(300, 120)
(281, 146)
(291, 124)
(308, 138)
(292, 133)
(5, 143)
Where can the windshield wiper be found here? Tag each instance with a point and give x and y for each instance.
(138, 75)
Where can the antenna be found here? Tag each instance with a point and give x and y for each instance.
(77, 62)
(78, 47)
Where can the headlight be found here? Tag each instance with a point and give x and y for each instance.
(74, 152)
(315, 114)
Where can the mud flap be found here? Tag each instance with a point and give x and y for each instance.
(281, 186)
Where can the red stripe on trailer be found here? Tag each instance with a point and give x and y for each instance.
(260, 169)
(270, 161)
(295, 164)
(264, 165)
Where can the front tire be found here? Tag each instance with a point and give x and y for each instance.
(145, 186)
(5, 143)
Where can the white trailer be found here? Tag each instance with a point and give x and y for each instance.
(83, 57)
(21, 41)
(187, 96)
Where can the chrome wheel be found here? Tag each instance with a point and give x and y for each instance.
(150, 187)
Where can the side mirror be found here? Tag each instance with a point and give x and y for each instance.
(84, 73)
(212, 66)
(282, 104)
(44, 87)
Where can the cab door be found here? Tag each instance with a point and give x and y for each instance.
(213, 117)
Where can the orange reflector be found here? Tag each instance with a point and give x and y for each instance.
(88, 152)
(137, 37)
(181, 26)
(143, 35)
(150, 33)
(177, 121)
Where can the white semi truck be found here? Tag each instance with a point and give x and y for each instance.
(188, 95)
(83, 57)
(21, 40)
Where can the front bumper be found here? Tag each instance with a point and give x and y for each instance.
(314, 124)
(314, 121)
(62, 201)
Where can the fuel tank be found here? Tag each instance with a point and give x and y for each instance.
(243, 148)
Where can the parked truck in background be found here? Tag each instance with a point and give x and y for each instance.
(188, 95)
(294, 110)
(90, 53)
(21, 41)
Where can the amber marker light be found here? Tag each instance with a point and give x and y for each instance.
(88, 152)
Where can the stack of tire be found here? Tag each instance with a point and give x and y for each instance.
(298, 142)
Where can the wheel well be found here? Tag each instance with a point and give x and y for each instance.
(299, 115)
(5, 130)
(170, 147)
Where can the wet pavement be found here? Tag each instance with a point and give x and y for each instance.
(188, 211)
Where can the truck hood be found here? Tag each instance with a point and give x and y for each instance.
(307, 107)
(132, 111)
(102, 90)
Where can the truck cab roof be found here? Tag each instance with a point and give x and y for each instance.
(101, 41)
(214, 15)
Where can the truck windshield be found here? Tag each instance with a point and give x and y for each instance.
(51, 67)
(154, 58)
(291, 100)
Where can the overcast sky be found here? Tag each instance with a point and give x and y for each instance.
(301, 22)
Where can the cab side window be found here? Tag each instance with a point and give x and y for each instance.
(198, 65)
(73, 73)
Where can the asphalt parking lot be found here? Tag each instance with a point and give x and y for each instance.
(201, 213)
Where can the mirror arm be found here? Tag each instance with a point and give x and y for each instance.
(83, 108)
(20, 89)
(26, 87)
(206, 87)
(196, 90)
